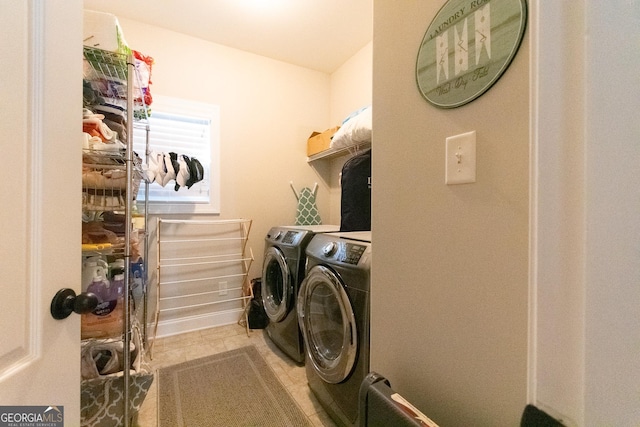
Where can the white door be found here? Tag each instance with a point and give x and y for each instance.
(40, 217)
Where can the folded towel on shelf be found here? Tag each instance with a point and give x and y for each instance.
(94, 126)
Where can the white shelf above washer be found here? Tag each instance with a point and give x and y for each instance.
(333, 153)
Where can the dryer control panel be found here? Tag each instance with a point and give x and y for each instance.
(352, 253)
(348, 253)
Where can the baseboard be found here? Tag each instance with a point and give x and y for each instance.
(188, 324)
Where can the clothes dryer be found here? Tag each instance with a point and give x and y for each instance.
(333, 312)
(282, 272)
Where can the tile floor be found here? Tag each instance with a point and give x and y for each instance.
(192, 345)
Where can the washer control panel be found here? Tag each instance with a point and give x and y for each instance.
(289, 237)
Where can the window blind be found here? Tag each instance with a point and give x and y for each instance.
(185, 128)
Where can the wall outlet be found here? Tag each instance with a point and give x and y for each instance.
(222, 288)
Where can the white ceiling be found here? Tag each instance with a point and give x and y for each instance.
(316, 34)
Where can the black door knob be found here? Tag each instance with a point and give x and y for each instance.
(66, 302)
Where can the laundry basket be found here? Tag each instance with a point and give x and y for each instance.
(102, 396)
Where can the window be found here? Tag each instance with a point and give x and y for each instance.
(185, 128)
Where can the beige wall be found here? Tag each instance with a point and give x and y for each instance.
(450, 272)
(351, 85)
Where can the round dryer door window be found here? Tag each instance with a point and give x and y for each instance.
(328, 324)
(276, 285)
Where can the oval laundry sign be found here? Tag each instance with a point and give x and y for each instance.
(467, 47)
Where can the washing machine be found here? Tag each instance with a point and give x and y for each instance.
(333, 312)
(282, 272)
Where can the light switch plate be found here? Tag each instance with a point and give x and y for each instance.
(460, 163)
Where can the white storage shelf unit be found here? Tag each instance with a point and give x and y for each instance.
(111, 175)
(202, 269)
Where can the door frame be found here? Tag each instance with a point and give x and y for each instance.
(584, 222)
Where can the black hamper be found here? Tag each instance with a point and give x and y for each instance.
(257, 317)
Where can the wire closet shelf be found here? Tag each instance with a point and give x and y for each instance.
(111, 178)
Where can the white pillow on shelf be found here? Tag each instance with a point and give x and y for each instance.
(355, 130)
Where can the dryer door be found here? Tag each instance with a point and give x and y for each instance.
(277, 286)
(328, 324)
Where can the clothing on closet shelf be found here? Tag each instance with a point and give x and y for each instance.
(115, 115)
(97, 134)
(104, 173)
